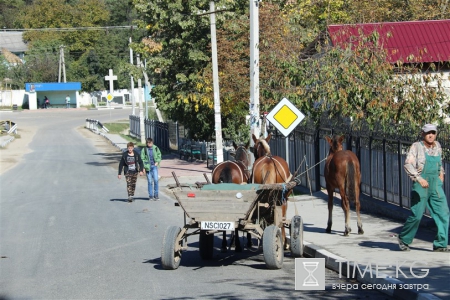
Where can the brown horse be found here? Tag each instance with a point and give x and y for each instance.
(268, 169)
(342, 171)
(236, 171)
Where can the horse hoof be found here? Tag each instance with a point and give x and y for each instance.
(328, 230)
(360, 231)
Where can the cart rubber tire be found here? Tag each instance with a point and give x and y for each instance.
(273, 247)
(296, 232)
(206, 245)
(169, 258)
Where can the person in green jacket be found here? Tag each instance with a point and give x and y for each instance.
(151, 156)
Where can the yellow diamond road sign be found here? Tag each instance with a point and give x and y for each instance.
(109, 97)
(285, 116)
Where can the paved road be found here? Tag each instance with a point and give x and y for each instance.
(67, 231)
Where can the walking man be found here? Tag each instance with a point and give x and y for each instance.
(151, 156)
(423, 165)
(67, 101)
(132, 164)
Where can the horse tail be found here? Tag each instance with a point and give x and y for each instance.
(350, 182)
(225, 175)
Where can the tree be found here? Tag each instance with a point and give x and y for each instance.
(122, 12)
(183, 76)
(358, 83)
(57, 14)
(9, 9)
(177, 68)
(89, 51)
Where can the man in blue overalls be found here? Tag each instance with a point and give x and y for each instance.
(423, 165)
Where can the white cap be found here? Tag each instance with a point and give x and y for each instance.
(429, 127)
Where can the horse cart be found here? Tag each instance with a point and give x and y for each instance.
(255, 209)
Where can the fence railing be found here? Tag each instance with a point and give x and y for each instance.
(96, 126)
(382, 154)
(382, 157)
(156, 130)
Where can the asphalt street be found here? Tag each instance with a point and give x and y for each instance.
(67, 231)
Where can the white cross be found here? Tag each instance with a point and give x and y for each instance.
(111, 79)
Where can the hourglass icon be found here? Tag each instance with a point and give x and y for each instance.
(310, 280)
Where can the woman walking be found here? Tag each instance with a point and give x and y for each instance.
(131, 163)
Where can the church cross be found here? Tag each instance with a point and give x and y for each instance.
(111, 79)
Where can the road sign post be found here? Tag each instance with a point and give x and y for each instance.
(285, 117)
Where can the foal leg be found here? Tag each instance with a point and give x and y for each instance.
(359, 222)
(346, 208)
(330, 209)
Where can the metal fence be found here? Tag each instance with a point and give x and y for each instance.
(96, 126)
(382, 153)
(156, 130)
(382, 156)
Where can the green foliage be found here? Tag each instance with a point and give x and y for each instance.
(353, 83)
(58, 14)
(359, 84)
(89, 54)
(9, 10)
(178, 57)
(3, 67)
(174, 41)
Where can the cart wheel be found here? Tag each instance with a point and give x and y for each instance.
(296, 232)
(273, 247)
(206, 245)
(170, 252)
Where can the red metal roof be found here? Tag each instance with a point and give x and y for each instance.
(416, 41)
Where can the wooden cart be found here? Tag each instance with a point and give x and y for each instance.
(251, 208)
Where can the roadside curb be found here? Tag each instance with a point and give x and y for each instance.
(5, 141)
(333, 262)
(115, 144)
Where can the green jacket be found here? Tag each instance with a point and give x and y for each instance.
(156, 156)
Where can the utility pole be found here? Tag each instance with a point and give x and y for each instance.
(146, 84)
(133, 102)
(217, 115)
(61, 63)
(254, 69)
(141, 109)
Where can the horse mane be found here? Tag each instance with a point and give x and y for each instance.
(265, 146)
(241, 154)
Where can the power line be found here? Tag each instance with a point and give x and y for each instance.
(70, 28)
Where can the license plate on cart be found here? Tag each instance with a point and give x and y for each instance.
(215, 225)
